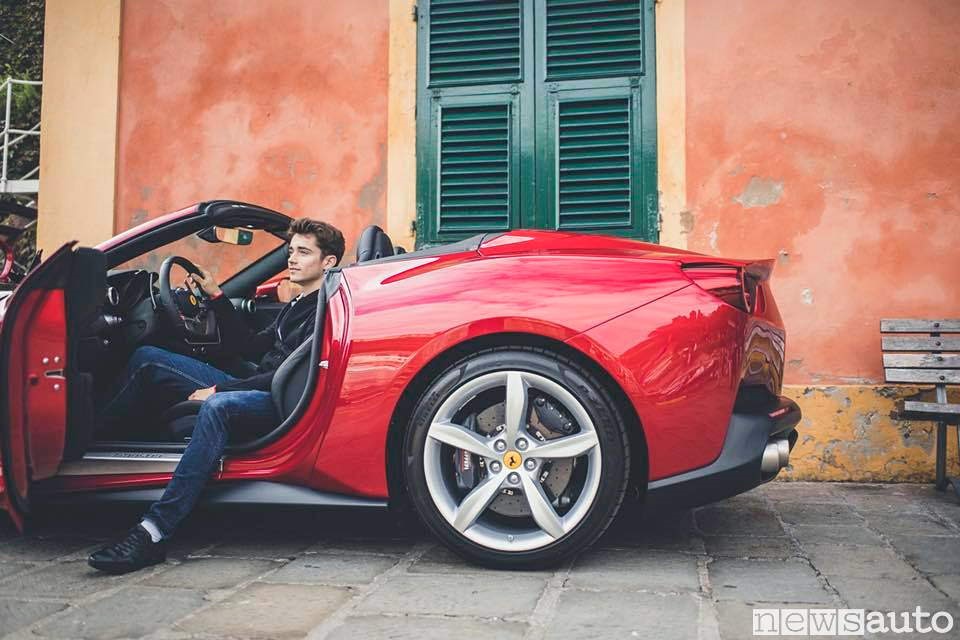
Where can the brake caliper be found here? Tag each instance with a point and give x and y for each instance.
(463, 461)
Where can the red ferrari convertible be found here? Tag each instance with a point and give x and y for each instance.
(513, 387)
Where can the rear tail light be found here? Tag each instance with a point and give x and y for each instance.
(725, 282)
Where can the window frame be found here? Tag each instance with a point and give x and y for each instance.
(533, 144)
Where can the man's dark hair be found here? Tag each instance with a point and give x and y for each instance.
(327, 236)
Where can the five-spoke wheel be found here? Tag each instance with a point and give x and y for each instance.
(509, 465)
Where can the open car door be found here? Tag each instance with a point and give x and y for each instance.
(33, 388)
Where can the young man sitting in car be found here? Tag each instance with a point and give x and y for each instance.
(156, 379)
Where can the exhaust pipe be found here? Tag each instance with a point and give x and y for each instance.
(776, 455)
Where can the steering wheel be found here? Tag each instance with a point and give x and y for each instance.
(183, 308)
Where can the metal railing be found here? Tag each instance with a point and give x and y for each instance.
(27, 184)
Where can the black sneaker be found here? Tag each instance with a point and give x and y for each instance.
(134, 552)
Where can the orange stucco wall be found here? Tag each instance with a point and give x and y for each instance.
(280, 103)
(827, 134)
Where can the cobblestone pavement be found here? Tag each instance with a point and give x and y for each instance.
(277, 573)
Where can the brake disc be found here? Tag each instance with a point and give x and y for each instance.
(547, 422)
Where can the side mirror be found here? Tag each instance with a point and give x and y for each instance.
(225, 234)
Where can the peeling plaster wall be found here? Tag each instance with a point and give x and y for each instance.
(848, 432)
(280, 103)
(827, 135)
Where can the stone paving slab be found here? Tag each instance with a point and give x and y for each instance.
(808, 513)
(910, 524)
(745, 521)
(671, 531)
(751, 547)
(332, 569)
(736, 618)
(129, 613)
(767, 581)
(404, 627)
(858, 561)
(272, 611)
(889, 594)
(511, 598)
(598, 616)
(31, 549)
(17, 613)
(212, 573)
(948, 584)
(68, 580)
(285, 549)
(839, 534)
(929, 554)
(8, 569)
(623, 570)
(695, 573)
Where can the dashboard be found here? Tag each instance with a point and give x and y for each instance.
(126, 289)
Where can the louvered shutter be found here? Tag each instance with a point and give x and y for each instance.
(474, 42)
(593, 164)
(474, 168)
(593, 39)
(535, 114)
(596, 127)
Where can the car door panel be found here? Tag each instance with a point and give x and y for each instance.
(33, 352)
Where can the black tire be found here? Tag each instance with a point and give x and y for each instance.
(608, 423)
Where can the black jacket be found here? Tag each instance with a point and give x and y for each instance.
(268, 347)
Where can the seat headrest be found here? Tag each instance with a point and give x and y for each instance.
(374, 243)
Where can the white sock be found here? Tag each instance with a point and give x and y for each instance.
(151, 529)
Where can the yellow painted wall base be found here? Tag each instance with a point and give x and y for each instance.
(848, 433)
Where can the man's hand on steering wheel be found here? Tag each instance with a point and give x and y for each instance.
(206, 282)
(185, 312)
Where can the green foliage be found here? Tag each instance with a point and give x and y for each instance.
(21, 57)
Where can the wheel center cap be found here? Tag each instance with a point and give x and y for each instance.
(512, 459)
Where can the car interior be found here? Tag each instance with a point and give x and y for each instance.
(112, 309)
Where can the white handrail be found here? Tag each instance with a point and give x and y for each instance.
(23, 185)
(35, 83)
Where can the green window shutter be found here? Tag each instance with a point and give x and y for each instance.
(535, 114)
(593, 38)
(593, 164)
(474, 168)
(474, 42)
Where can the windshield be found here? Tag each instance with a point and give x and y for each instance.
(223, 260)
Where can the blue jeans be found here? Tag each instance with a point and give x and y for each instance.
(155, 376)
(155, 380)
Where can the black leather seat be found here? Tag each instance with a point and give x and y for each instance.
(374, 244)
(287, 388)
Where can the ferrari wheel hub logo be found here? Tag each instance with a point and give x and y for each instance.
(512, 459)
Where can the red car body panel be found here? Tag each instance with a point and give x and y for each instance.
(35, 399)
(405, 313)
(678, 352)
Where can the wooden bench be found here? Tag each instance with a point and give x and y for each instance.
(925, 352)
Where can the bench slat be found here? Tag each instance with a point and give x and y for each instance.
(921, 360)
(897, 343)
(930, 376)
(931, 407)
(904, 325)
